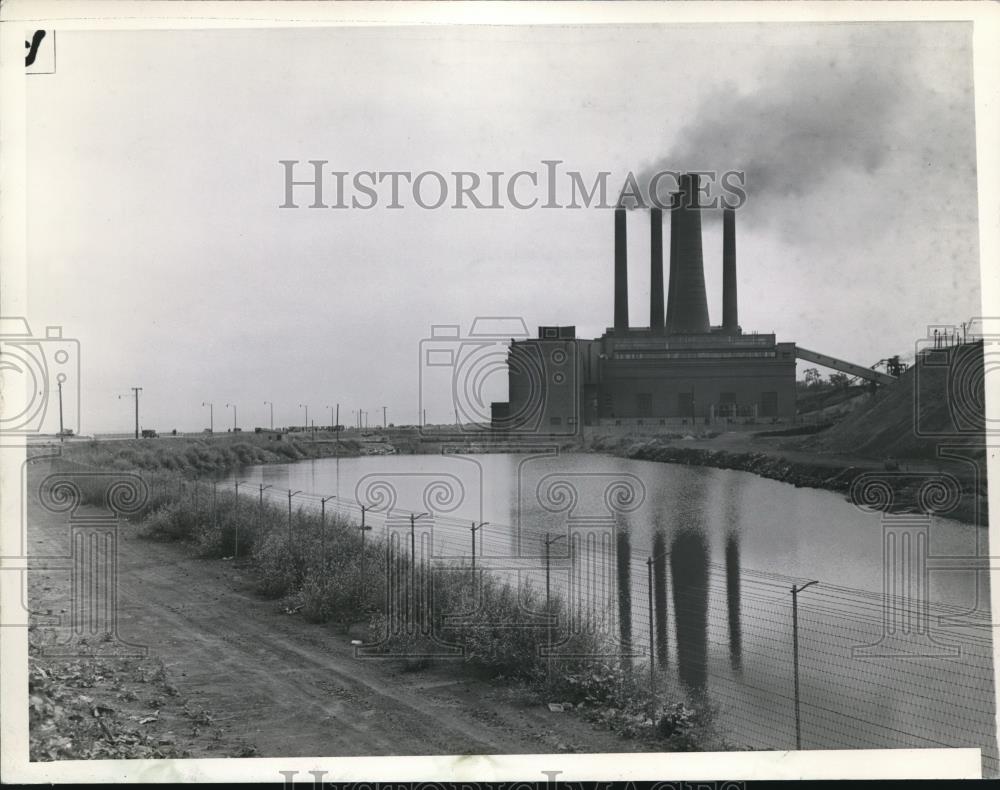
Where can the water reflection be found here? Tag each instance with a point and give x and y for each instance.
(750, 529)
(660, 594)
(733, 601)
(689, 576)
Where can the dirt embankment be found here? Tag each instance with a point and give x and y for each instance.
(929, 423)
(939, 401)
(231, 673)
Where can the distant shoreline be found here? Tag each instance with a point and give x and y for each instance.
(814, 470)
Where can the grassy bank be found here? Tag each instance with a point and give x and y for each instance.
(199, 457)
(315, 566)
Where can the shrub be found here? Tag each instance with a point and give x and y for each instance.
(502, 632)
(169, 523)
(278, 572)
(337, 595)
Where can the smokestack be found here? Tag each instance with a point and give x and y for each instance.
(621, 271)
(675, 198)
(730, 321)
(656, 270)
(687, 305)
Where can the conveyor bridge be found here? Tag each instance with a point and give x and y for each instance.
(845, 367)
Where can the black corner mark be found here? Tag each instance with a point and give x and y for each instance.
(32, 47)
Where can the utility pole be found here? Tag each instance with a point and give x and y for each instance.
(233, 405)
(795, 657)
(385, 420)
(268, 403)
(211, 416)
(136, 390)
(336, 424)
(333, 425)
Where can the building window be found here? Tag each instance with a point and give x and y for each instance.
(644, 404)
(685, 404)
(727, 404)
(769, 404)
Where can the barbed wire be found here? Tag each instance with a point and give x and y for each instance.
(945, 701)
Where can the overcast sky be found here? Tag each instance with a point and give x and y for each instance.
(155, 235)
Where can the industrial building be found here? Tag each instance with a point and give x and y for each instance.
(677, 370)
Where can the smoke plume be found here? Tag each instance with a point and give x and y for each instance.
(814, 127)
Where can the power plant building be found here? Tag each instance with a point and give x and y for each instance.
(678, 369)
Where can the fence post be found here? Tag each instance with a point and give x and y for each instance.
(795, 657)
(236, 523)
(412, 608)
(364, 579)
(548, 613)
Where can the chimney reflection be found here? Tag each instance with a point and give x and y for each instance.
(733, 600)
(660, 595)
(689, 576)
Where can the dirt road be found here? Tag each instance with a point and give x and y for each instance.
(291, 688)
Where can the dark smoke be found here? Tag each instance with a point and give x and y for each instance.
(805, 125)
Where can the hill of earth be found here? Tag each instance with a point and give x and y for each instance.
(939, 400)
